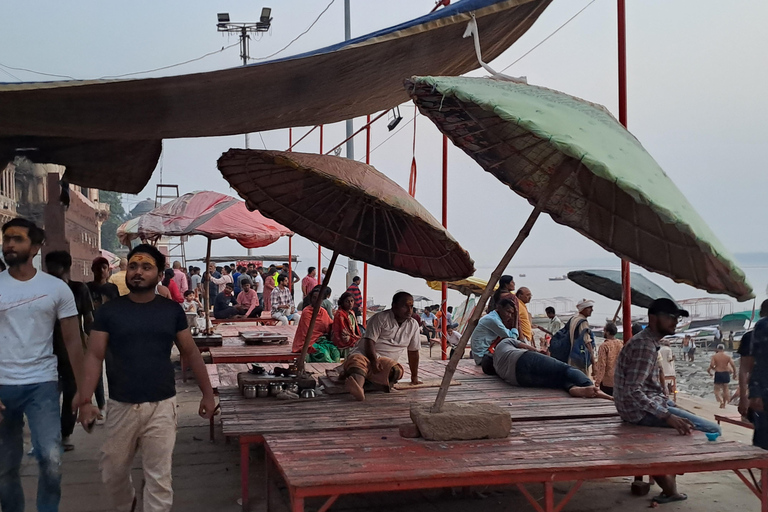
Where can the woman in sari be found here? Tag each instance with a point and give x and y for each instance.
(321, 349)
(346, 332)
(269, 285)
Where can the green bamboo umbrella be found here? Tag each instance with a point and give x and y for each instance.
(575, 161)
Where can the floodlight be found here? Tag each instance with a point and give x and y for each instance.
(266, 14)
(223, 17)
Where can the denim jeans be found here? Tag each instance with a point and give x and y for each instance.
(535, 370)
(40, 402)
(698, 423)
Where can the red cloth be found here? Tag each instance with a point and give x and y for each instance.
(175, 293)
(322, 326)
(346, 332)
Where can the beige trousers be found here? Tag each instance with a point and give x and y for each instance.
(150, 426)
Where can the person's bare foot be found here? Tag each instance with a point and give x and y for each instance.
(603, 395)
(585, 392)
(354, 388)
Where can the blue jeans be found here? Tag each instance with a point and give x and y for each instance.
(698, 423)
(40, 402)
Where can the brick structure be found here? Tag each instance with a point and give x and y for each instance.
(75, 229)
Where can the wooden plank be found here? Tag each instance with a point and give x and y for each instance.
(562, 450)
(734, 419)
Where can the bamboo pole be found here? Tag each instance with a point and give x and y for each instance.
(554, 183)
(316, 311)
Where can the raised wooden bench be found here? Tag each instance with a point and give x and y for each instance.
(253, 419)
(253, 354)
(331, 463)
(734, 419)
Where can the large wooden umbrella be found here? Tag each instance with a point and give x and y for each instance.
(349, 207)
(575, 161)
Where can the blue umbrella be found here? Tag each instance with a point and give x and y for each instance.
(608, 284)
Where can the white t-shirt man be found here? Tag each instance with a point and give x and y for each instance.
(258, 283)
(28, 313)
(390, 338)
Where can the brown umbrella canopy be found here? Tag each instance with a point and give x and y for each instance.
(349, 207)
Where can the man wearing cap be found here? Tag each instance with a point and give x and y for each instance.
(638, 393)
(579, 330)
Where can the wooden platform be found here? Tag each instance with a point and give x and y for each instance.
(253, 419)
(332, 463)
(733, 419)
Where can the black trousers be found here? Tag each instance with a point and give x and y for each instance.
(68, 388)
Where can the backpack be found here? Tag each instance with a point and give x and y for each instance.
(561, 348)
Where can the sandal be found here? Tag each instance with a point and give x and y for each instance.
(663, 498)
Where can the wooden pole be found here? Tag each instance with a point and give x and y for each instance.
(554, 183)
(316, 311)
(444, 285)
(207, 291)
(365, 265)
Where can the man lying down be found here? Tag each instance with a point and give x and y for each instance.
(520, 364)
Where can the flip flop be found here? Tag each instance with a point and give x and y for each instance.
(68, 447)
(663, 498)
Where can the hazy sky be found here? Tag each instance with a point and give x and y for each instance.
(696, 74)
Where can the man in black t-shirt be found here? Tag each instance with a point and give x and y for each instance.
(753, 384)
(135, 333)
(59, 264)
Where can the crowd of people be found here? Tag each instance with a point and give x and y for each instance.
(132, 319)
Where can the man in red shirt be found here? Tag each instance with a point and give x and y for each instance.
(309, 282)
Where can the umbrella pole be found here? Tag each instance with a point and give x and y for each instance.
(316, 310)
(207, 290)
(554, 183)
(616, 314)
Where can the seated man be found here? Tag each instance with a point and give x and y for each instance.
(321, 329)
(639, 394)
(520, 364)
(428, 323)
(283, 308)
(248, 300)
(375, 356)
(498, 324)
(224, 305)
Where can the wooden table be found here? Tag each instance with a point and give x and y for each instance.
(253, 419)
(234, 349)
(331, 463)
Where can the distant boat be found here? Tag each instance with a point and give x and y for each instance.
(522, 275)
(561, 278)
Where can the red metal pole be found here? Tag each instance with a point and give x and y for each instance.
(365, 265)
(319, 247)
(444, 300)
(626, 285)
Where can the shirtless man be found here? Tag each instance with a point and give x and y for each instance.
(723, 366)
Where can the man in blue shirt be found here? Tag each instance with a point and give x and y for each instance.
(498, 324)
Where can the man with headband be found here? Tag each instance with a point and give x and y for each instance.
(136, 333)
(30, 304)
